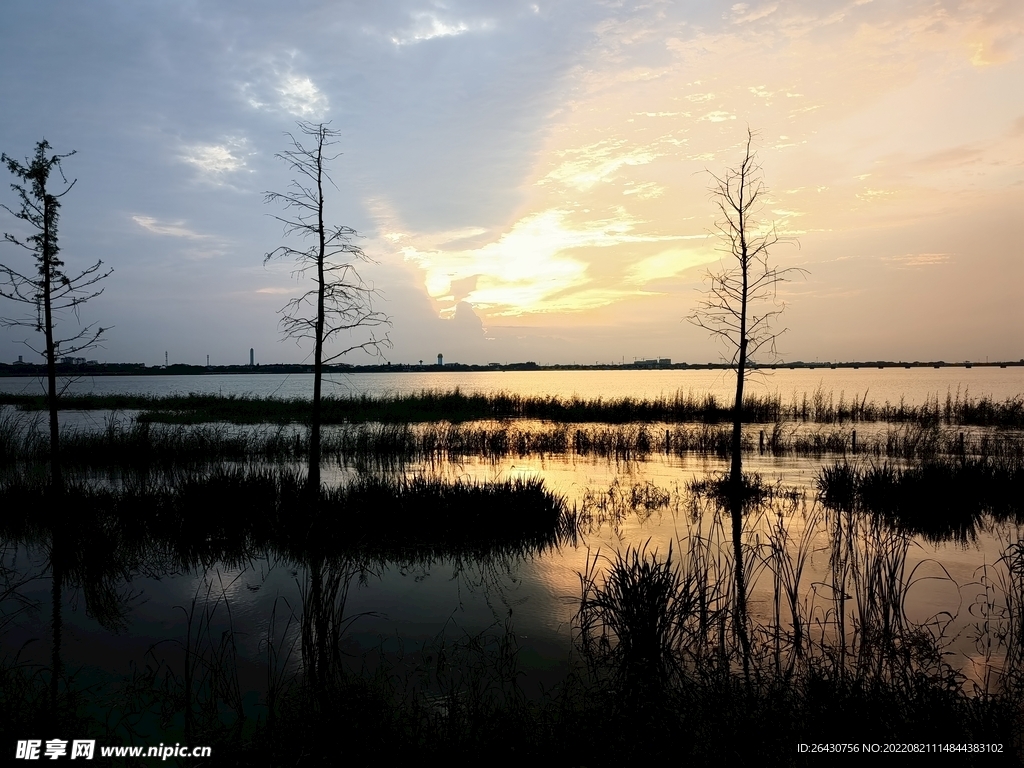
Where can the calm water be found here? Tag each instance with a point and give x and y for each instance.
(890, 384)
(408, 605)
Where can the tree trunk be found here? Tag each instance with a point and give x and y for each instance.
(314, 430)
(56, 480)
(736, 490)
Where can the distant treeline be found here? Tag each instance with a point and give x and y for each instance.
(456, 406)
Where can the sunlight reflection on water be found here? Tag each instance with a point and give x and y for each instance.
(418, 601)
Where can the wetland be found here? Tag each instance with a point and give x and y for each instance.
(520, 564)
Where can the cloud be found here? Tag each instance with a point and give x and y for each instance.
(535, 266)
(215, 161)
(596, 163)
(167, 229)
(276, 86)
(199, 247)
(951, 157)
(742, 13)
(301, 97)
(646, 191)
(869, 195)
(718, 116)
(670, 263)
(427, 26)
(911, 260)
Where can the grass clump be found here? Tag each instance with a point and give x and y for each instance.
(941, 498)
(192, 517)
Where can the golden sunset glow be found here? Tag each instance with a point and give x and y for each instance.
(871, 124)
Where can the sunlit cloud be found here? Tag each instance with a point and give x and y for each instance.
(742, 13)
(278, 87)
(920, 259)
(216, 161)
(718, 116)
(301, 97)
(672, 262)
(870, 195)
(594, 164)
(538, 265)
(428, 26)
(646, 191)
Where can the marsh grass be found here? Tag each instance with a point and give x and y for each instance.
(840, 658)
(192, 517)
(427, 405)
(820, 406)
(619, 502)
(942, 498)
(754, 491)
(128, 446)
(633, 622)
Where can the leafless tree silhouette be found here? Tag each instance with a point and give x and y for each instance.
(339, 306)
(738, 309)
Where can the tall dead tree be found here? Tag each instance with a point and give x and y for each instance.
(50, 291)
(338, 307)
(738, 309)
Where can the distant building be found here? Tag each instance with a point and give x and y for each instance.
(440, 359)
(252, 357)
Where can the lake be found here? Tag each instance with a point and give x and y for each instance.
(405, 607)
(878, 385)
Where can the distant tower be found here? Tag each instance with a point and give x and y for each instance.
(440, 359)
(252, 358)
(165, 358)
(207, 361)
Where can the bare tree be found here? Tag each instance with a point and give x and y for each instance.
(50, 290)
(738, 309)
(741, 302)
(339, 305)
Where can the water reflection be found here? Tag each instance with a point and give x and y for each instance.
(256, 596)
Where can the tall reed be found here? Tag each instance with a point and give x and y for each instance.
(819, 407)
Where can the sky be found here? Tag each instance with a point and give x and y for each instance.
(529, 180)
